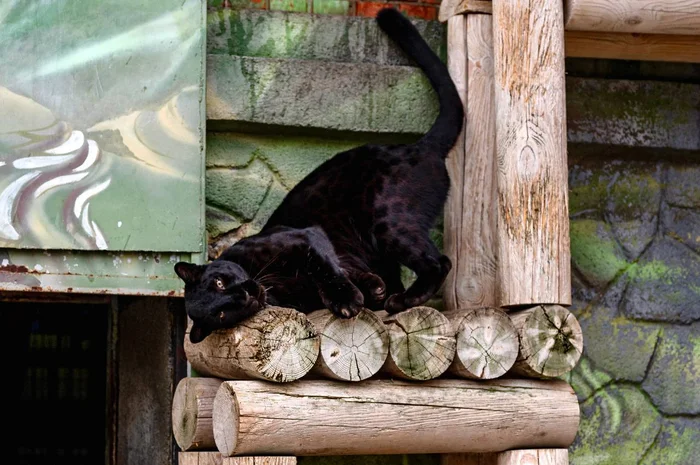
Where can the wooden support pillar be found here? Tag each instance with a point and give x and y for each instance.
(511, 457)
(470, 214)
(532, 181)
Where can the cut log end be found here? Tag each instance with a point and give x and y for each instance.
(351, 349)
(551, 341)
(192, 412)
(487, 344)
(422, 344)
(277, 344)
(226, 425)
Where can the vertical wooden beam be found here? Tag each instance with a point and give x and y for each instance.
(470, 221)
(457, 66)
(511, 457)
(533, 221)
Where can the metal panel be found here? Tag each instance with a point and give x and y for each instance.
(102, 125)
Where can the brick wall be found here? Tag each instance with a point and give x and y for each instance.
(424, 9)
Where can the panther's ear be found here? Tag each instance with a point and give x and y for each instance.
(197, 333)
(189, 272)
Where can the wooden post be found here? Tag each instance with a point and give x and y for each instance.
(276, 344)
(646, 16)
(351, 349)
(393, 417)
(533, 220)
(215, 458)
(191, 413)
(487, 343)
(421, 344)
(551, 341)
(511, 457)
(470, 214)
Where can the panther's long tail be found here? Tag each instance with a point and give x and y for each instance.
(448, 124)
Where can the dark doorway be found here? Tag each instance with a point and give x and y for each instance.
(56, 371)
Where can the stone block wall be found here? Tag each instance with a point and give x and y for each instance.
(286, 91)
(424, 9)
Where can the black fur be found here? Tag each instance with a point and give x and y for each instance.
(339, 237)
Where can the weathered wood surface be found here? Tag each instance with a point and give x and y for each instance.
(628, 46)
(551, 341)
(350, 349)
(646, 16)
(457, 67)
(191, 413)
(276, 344)
(487, 343)
(215, 458)
(450, 8)
(393, 417)
(531, 143)
(472, 205)
(421, 344)
(511, 457)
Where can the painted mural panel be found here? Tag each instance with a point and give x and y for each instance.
(101, 124)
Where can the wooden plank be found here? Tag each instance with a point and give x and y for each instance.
(215, 458)
(626, 46)
(470, 214)
(511, 457)
(450, 8)
(531, 143)
(392, 416)
(647, 16)
(457, 66)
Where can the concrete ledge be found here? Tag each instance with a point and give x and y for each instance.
(633, 113)
(357, 97)
(279, 34)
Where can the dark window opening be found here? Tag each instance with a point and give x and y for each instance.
(55, 368)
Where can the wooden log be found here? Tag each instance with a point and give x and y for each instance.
(215, 458)
(276, 344)
(421, 344)
(487, 343)
(551, 341)
(646, 16)
(511, 457)
(191, 413)
(457, 67)
(393, 417)
(533, 221)
(450, 8)
(350, 349)
(627, 46)
(471, 211)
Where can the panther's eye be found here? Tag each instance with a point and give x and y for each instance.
(220, 284)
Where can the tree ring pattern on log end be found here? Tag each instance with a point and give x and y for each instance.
(551, 341)
(289, 349)
(487, 343)
(354, 349)
(422, 343)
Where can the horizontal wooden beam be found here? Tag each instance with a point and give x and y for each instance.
(627, 46)
(645, 16)
(392, 417)
(215, 458)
